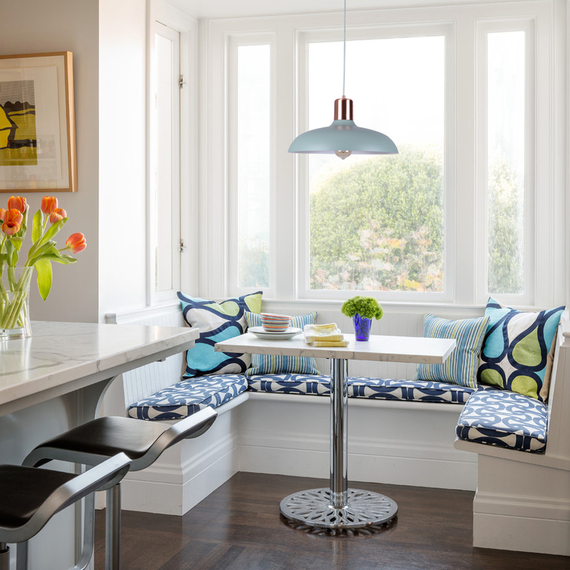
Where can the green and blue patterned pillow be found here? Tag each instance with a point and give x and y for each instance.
(516, 349)
(217, 322)
(277, 364)
(461, 366)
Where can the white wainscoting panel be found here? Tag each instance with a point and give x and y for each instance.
(144, 381)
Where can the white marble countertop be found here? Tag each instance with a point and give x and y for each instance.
(378, 348)
(62, 357)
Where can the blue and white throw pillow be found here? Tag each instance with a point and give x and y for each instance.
(276, 364)
(217, 322)
(518, 348)
(461, 366)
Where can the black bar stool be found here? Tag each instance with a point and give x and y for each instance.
(89, 444)
(30, 497)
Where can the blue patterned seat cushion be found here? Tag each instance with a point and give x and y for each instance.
(290, 384)
(505, 419)
(373, 388)
(408, 390)
(188, 397)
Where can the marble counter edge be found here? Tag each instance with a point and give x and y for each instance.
(179, 340)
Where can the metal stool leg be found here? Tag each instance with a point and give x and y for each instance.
(4, 556)
(113, 529)
(88, 533)
(22, 556)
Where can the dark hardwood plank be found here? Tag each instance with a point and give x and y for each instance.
(238, 527)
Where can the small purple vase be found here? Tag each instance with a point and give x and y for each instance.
(361, 327)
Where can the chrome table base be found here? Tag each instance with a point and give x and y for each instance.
(338, 507)
(314, 508)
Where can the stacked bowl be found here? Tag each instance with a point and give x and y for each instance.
(275, 323)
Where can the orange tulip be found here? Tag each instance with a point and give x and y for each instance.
(17, 203)
(76, 243)
(48, 205)
(3, 213)
(10, 228)
(14, 216)
(57, 214)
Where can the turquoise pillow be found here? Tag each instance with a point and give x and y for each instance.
(276, 364)
(516, 349)
(217, 322)
(461, 366)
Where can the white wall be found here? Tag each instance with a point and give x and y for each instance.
(36, 26)
(122, 155)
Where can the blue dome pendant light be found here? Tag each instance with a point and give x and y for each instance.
(343, 137)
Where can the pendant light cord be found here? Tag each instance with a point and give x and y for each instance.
(344, 54)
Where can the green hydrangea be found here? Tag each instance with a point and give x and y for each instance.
(364, 306)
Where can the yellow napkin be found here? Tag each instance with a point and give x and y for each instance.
(324, 335)
(330, 343)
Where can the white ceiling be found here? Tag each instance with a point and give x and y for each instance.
(239, 8)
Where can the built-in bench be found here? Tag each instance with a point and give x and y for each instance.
(190, 396)
(401, 431)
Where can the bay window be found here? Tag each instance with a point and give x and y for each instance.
(464, 211)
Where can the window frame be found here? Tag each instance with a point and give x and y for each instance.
(233, 43)
(163, 13)
(444, 30)
(534, 160)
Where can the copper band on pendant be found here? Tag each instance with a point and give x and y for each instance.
(343, 109)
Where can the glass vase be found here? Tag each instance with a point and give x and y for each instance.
(361, 327)
(14, 302)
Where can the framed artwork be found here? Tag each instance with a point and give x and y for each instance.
(37, 123)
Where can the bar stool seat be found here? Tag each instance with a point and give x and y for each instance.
(143, 442)
(24, 491)
(30, 497)
(89, 444)
(103, 437)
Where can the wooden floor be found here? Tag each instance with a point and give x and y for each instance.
(238, 527)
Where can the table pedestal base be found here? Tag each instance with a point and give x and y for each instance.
(363, 508)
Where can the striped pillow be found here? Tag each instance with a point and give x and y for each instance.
(274, 364)
(461, 366)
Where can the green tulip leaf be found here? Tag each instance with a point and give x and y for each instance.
(37, 226)
(47, 237)
(53, 230)
(45, 277)
(12, 253)
(17, 241)
(49, 247)
(63, 259)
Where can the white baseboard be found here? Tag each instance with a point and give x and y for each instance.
(543, 536)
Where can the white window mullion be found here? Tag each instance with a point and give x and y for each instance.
(284, 203)
(465, 232)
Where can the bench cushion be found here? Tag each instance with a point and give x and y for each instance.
(188, 397)
(505, 419)
(408, 390)
(373, 388)
(290, 384)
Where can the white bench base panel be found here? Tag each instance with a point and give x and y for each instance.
(522, 507)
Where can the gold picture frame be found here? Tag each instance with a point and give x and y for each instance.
(37, 123)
